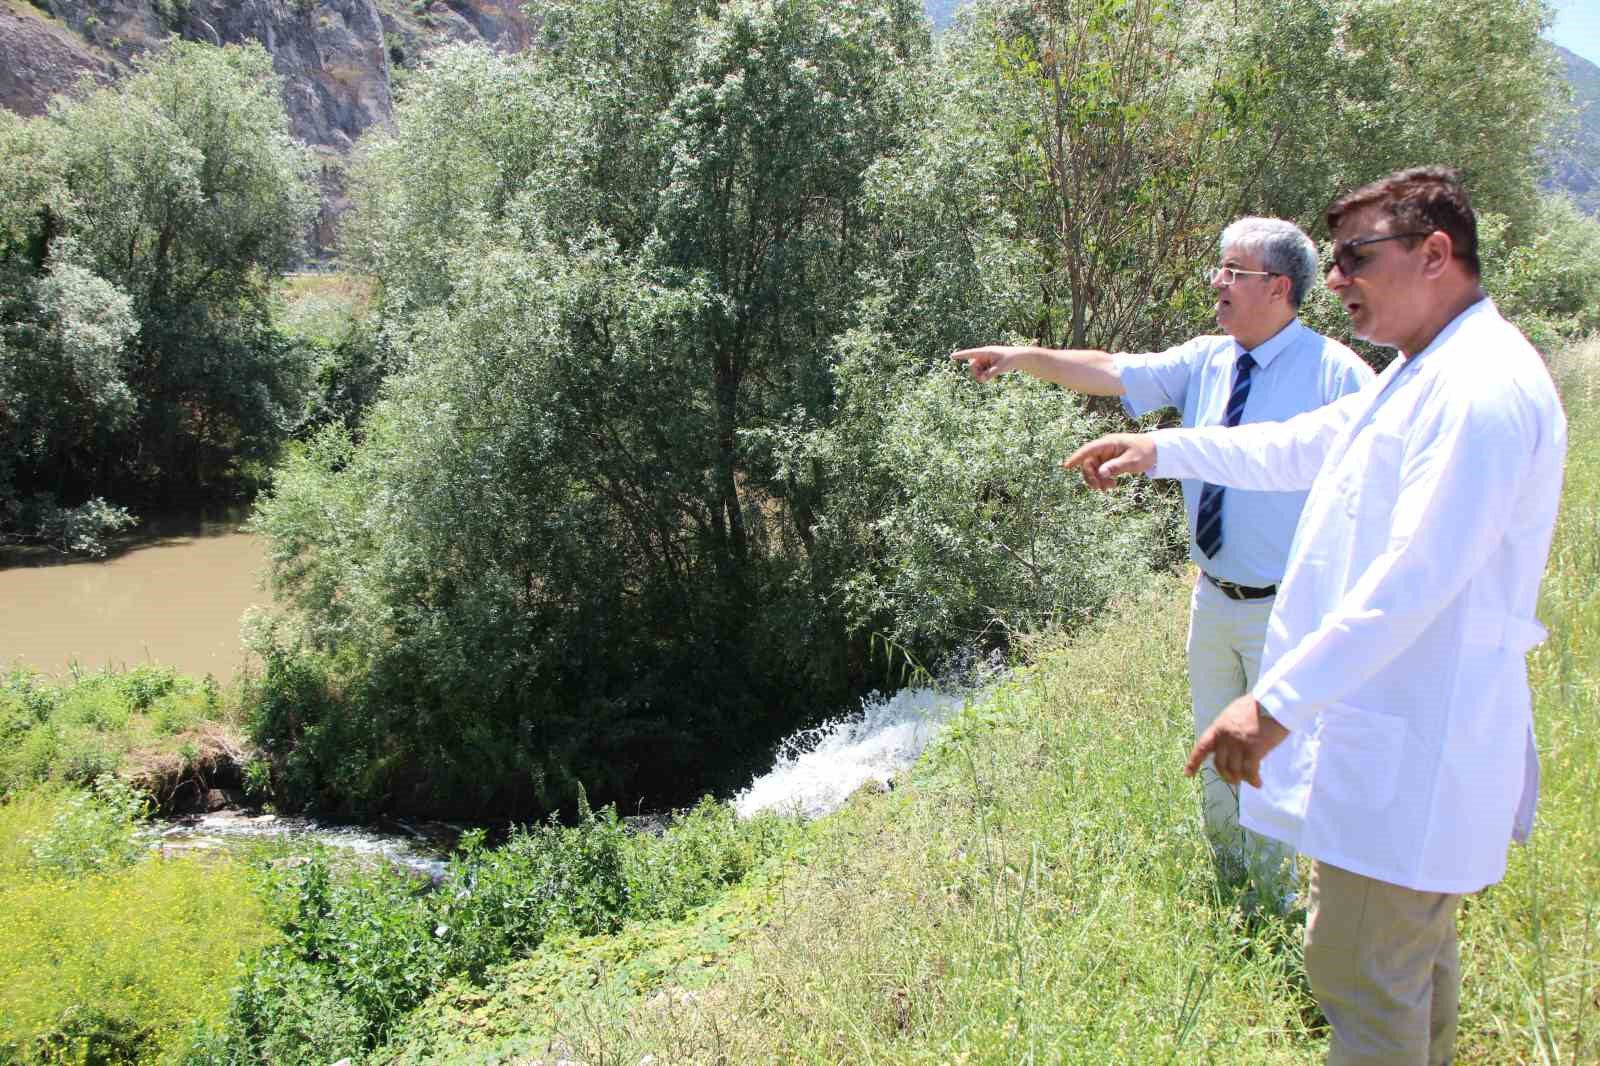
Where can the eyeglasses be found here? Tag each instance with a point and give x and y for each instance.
(1344, 252)
(1229, 275)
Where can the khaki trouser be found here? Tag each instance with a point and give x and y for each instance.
(1383, 963)
(1225, 640)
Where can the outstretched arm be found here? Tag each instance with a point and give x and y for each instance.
(1079, 369)
(1264, 456)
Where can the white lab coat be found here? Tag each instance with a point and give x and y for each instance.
(1396, 652)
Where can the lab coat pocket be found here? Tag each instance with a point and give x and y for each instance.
(1359, 756)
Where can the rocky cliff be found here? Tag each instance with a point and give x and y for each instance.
(336, 56)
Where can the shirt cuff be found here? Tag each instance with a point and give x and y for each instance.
(1275, 702)
(1168, 454)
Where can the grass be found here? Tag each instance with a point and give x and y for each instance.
(1038, 890)
(165, 733)
(118, 966)
(148, 724)
(323, 308)
(1532, 960)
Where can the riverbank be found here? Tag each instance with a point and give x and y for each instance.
(1038, 891)
(1035, 889)
(179, 740)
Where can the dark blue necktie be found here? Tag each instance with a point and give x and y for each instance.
(1208, 520)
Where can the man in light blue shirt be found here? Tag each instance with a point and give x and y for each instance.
(1266, 367)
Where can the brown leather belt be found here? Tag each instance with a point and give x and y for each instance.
(1241, 592)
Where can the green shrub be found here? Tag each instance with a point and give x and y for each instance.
(321, 748)
(30, 759)
(83, 754)
(1546, 281)
(78, 730)
(356, 952)
(702, 853)
(143, 685)
(179, 711)
(24, 817)
(24, 703)
(95, 702)
(361, 949)
(285, 1013)
(95, 833)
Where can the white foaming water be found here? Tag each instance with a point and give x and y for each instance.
(817, 769)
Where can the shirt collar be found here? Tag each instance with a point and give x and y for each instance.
(1483, 306)
(1269, 350)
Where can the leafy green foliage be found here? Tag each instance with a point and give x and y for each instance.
(661, 302)
(362, 948)
(1364, 89)
(102, 723)
(549, 555)
(136, 257)
(950, 516)
(1095, 137)
(108, 959)
(1038, 888)
(95, 833)
(1548, 283)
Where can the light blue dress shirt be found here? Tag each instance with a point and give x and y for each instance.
(1296, 371)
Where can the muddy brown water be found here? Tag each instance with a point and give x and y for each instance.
(171, 594)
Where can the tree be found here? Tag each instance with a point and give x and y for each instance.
(143, 230)
(557, 549)
(1363, 89)
(191, 196)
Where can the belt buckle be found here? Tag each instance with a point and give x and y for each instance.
(1230, 589)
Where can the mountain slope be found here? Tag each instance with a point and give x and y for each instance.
(1575, 164)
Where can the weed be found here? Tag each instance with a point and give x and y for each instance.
(95, 833)
(109, 960)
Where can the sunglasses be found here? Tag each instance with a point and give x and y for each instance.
(1344, 252)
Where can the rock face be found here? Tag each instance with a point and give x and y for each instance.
(336, 57)
(40, 57)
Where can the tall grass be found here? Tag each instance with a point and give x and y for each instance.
(131, 722)
(321, 308)
(1532, 944)
(1039, 889)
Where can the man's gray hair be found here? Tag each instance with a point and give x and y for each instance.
(1284, 249)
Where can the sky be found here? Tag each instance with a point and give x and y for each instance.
(1577, 28)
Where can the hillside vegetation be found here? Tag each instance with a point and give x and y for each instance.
(1039, 889)
(631, 443)
(669, 434)
(1575, 162)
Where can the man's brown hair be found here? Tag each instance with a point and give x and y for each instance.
(1422, 199)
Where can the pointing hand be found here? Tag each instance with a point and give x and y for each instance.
(1103, 461)
(988, 362)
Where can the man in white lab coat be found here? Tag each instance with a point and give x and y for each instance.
(1389, 736)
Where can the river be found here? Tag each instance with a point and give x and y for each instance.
(172, 594)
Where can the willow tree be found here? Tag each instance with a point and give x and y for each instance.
(171, 199)
(559, 552)
(1331, 94)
